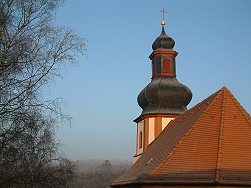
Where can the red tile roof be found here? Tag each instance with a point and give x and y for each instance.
(210, 143)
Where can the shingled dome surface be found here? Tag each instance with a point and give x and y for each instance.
(209, 144)
(163, 41)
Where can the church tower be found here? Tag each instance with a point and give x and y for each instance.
(164, 98)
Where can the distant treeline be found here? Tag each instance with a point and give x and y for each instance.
(98, 174)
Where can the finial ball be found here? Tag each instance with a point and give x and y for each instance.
(163, 22)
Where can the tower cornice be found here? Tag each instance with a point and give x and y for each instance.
(163, 52)
(141, 117)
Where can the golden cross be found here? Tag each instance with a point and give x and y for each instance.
(163, 13)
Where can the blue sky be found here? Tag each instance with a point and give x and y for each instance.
(213, 39)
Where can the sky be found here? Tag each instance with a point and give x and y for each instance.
(213, 39)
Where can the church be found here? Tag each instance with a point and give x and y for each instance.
(206, 146)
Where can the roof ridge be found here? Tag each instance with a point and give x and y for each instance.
(218, 163)
(198, 104)
(215, 95)
(211, 96)
(240, 107)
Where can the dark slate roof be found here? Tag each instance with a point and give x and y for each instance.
(164, 95)
(163, 41)
(208, 144)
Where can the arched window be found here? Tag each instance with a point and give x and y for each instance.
(140, 140)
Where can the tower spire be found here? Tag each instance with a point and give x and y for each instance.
(163, 17)
(164, 98)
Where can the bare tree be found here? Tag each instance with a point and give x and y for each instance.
(29, 157)
(32, 52)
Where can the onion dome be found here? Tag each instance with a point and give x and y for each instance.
(164, 95)
(163, 41)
